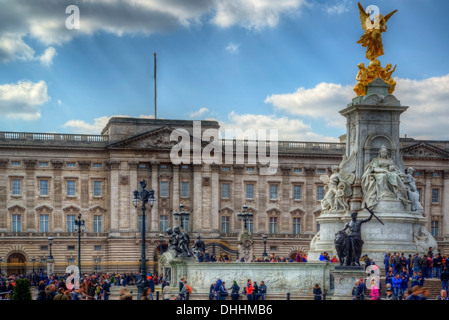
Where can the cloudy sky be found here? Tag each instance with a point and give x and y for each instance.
(287, 64)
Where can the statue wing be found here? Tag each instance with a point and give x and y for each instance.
(388, 16)
(324, 178)
(349, 164)
(363, 17)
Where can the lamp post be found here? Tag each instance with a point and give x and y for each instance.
(1, 261)
(146, 197)
(182, 215)
(265, 254)
(245, 216)
(33, 260)
(50, 261)
(79, 227)
(50, 243)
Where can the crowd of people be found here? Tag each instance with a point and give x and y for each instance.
(251, 290)
(405, 277)
(94, 286)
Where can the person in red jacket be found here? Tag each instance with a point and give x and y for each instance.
(249, 290)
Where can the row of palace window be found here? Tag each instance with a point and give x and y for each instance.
(226, 223)
(44, 187)
(273, 191)
(16, 223)
(163, 224)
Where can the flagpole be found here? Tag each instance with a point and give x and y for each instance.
(155, 100)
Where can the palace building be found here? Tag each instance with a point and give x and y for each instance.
(48, 179)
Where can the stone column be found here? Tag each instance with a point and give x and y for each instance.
(176, 191)
(310, 199)
(428, 198)
(196, 215)
(445, 201)
(133, 185)
(285, 202)
(57, 195)
(215, 198)
(154, 219)
(114, 166)
(263, 190)
(30, 194)
(3, 195)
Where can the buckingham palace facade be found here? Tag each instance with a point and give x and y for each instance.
(48, 179)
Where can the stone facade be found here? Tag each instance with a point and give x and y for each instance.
(46, 180)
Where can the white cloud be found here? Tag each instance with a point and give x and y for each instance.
(199, 113)
(323, 101)
(338, 8)
(288, 129)
(426, 118)
(47, 57)
(98, 124)
(22, 100)
(12, 47)
(232, 47)
(253, 14)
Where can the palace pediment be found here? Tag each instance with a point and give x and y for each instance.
(154, 139)
(424, 150)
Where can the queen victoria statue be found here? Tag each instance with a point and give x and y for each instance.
(382, 179)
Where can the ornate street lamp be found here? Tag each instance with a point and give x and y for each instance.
(1, 261)
(50, 243)
(79, 227)
(245, 215)
(265, 254)
(146, 197)
(181, 215)
(33, 260)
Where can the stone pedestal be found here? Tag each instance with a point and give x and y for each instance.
(344, 279)
(50, 268)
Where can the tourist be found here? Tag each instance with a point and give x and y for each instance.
(235, 291)
(389, 294)
(389, 278)
(60, 295)
(375, 292)
(255, 291)
(217, 287)
(212, 291)
(443, 295)
(249, 290)
(396, 286)
(415, 279)
(437, 262)
(404, 285)
(166, 291)
(360, 290)
(420, 279)
(416, 294)
(317, 292)
(387, 262)
(416, 262)
(125, 295)
(262, 290)
(184, 292)
(444, 277)
(222, 291)
(146, 294)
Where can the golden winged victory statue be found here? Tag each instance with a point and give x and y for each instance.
(372, 40)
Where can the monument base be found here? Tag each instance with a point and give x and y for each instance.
(401, 232)
(345, 277)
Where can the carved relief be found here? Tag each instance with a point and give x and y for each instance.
(124, 180)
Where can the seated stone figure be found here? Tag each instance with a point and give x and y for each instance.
(382, 179)
(413, 194)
